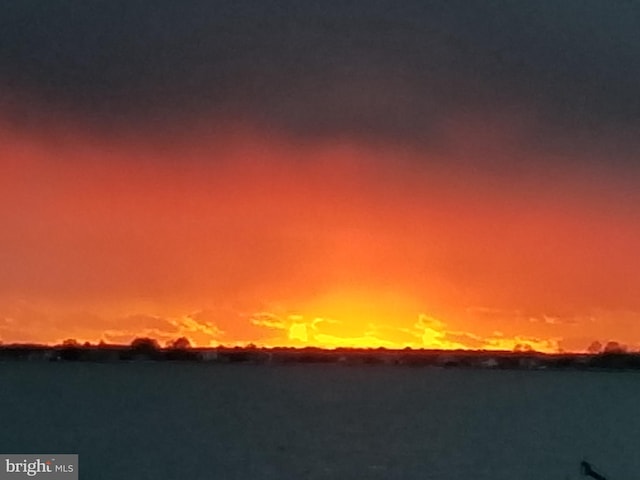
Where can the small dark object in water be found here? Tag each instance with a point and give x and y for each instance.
(587, 470)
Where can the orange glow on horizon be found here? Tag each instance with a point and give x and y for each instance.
(248, 238)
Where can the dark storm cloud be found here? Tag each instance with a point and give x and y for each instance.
(387, 68)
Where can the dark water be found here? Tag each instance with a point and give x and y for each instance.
(173, 421)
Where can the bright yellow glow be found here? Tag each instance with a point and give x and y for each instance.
(298, 331)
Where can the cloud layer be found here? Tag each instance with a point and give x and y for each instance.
(387, 70)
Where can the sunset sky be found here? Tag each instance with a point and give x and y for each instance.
(438, 174)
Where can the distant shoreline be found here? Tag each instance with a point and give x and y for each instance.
(482, 359)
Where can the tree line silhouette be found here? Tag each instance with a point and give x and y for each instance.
(610, 356)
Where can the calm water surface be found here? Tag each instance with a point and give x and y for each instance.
(203, 422)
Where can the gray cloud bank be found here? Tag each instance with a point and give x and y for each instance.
(375, 68)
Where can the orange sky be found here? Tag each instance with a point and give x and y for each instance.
(249, 236)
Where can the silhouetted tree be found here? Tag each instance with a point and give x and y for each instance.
(595, 347)
(614, 347)
(145, 345)
(180, 349)
(522, 347)
(615, 356)
(181, 343)
(70, 350)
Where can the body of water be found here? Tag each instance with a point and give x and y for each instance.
(161, 421)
